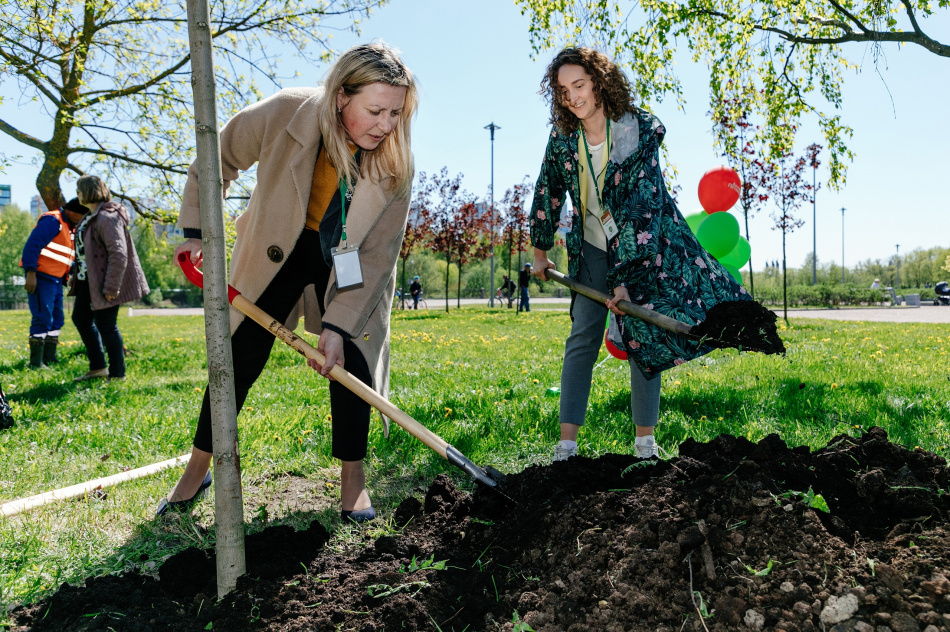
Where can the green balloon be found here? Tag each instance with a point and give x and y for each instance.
(695, 219)
(718, 234)
(738, 256)
(734, 272)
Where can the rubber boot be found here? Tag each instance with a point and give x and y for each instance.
(49, 350)
(37, 346)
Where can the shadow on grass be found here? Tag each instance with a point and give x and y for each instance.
(43, 393)
(153, 541)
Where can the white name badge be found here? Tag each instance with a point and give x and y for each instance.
(610, 226)
(346, 262)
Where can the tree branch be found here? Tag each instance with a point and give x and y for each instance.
(840, 9)
(24, 72)
(135, 161)
(867, 35)
(913, 18)
(22, 137)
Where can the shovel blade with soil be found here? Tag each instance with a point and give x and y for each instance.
(743, 325)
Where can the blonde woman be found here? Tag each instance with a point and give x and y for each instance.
(334, 169)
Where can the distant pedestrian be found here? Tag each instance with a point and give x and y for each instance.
(108, 274)
(524, 277)
(507, 290)
(876, 285)
(47, 259)
(415, 291)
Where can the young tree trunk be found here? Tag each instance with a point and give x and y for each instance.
(784, 279)
(402, 290)
(229, 503)
(458, 295)
(511, 235)
(751, 280)
(448, 267)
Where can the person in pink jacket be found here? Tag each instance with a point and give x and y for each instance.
(107, 274)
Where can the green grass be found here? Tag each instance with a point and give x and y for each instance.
(476, 377)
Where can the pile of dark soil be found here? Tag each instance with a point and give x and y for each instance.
(744, 325)
(725, 537)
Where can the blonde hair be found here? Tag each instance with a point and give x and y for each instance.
(92, 189)
(355, 69)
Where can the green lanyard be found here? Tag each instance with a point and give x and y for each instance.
(343, 189)
(590, 164)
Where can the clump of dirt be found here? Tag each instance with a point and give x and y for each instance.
(729, 535)
(744, 325)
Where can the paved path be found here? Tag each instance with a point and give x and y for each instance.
(924, 314)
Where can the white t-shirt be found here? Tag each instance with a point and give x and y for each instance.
(593, 230)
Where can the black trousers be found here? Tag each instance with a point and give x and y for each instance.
(251, 345)
(97, 327)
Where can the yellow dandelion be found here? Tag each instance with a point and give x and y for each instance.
(834, 385)
(676, 383)
(535, 381)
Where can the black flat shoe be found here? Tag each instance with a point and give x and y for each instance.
(359, 517)
(185, 505)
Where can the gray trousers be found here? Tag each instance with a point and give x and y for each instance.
(583, 346)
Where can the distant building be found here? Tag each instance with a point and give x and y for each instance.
(5, 199)
(37, 206)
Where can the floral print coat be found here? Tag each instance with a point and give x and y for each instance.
(655, 255)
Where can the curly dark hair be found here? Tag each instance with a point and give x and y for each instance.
(611, 87)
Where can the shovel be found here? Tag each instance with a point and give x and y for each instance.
(744, 325)
(488, 476)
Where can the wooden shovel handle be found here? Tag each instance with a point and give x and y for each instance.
(631, 309)
(342, 376)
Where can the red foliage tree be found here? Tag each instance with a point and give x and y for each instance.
(738, 136)
(418, 228)
(471, 240)
(789, 190)
(515, 227)
(441, 199)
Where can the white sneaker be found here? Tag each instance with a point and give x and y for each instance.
(646, 447)
(564, 450)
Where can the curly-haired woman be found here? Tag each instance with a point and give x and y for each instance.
(627, 237)
(334, 167)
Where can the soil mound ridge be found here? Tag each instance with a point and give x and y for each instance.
(729, 535)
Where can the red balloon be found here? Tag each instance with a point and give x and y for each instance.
(613, 349)
(719, 189)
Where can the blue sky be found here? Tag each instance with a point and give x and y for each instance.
(474, 64)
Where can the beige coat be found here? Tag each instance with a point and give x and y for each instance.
(282, 136)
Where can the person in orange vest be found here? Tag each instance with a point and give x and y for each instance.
(47, 258)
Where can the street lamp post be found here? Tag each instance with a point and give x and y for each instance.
(842, 245)
(898, 266)
(491, 127)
